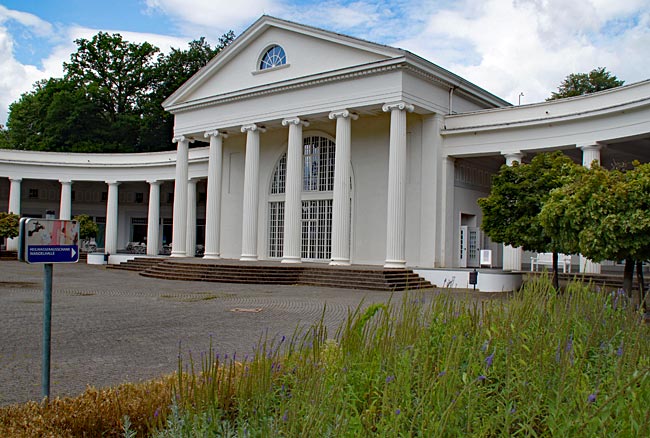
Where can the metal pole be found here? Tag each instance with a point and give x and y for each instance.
(47, 326)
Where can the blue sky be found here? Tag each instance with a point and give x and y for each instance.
(505, 46)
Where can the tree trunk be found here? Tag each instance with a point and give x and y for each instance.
(628, 276)
(556, 280)
(640, 280)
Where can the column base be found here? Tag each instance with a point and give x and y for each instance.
(395, 264)
(178, 254)
(215, 256)
(248, 258)
(291, 260)
(340, 262)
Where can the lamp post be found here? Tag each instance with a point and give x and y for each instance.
(520, 95)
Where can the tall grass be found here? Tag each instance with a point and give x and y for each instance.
(541, 364)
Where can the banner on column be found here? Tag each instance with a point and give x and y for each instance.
(48, 241)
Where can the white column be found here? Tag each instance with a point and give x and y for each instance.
(448, 228)
(191, 218)
(512, 256)
(14, 207)
(590, 153)
(251, 195)
(341, 201)
(110, 242)
(179, 226)
(293, 190)
(396, 209)
(153, 218)
(65, 207)
(213, 196)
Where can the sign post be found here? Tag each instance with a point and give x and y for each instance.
(48, 241)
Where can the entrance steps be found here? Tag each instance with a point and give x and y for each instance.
(266, 272)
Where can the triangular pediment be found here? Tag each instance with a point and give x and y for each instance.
(309, 51)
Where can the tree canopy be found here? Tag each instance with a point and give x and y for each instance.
(109, 99)
(511, 211)
(9, 224)
(606, 214)
(577, 84)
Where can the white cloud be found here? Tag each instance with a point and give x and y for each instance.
(17, 78)
(213, 17)
(530, 46)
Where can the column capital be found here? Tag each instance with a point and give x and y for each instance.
(182, 138)
(215, 133)
(65, 181)
(15, 179)
(153, 182)
(343, 114)
(112, 183)
(512, 156)
(294, 121)
(400, 105)
(252, 127)
(589, 147)
(194, 179)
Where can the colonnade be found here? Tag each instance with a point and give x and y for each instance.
(395, 210)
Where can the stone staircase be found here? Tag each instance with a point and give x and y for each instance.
(354, 277)
(137, 264)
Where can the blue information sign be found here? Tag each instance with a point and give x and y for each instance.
(52, 254)
(50, 241)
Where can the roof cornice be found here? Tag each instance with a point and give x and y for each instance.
(373, 68)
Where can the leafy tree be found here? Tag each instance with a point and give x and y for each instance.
(116, 74)
(169, 73)
(87, 227)
(109, 100)
(577, 84)
(607, 213)
(511, 211)
(8, 225)
(4, 138)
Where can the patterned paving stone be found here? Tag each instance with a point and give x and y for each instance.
(111, 326)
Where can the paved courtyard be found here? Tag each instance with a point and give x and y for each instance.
(111, 326)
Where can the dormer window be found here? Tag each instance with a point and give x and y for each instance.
(273, 57)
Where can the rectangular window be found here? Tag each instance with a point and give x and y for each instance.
(72, 195)
(139, 197)
(317, 229)
(104, 196)
(276, 229)
(33, 193)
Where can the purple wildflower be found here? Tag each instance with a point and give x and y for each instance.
(442, 373)
(513, 410)
(485, 345)
(155, 414)
(390, 379)
(488, 361)
(619, 352)
(397, 412)
(285, 417)
(481, 378)
(591, 398)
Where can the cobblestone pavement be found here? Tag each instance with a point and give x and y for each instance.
(112, 326)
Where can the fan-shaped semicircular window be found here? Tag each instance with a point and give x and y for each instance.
(273, 57)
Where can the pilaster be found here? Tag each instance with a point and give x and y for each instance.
(590, 155)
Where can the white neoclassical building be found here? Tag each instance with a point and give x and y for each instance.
(298, 144)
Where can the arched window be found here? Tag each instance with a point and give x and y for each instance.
(318, 182)
(273, 57)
